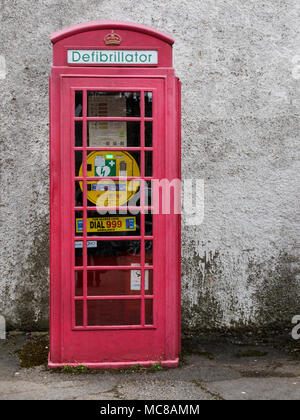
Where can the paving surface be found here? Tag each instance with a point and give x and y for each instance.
(211, 371)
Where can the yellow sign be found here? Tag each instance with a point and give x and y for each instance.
(111, 164)
(107, 224)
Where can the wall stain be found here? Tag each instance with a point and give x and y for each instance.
(272, 287)
(32, 293)
(277, 296)
(205, 312)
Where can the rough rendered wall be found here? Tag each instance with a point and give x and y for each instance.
(240, 133)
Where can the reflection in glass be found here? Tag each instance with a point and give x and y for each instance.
(113, 104)
(114, 312)
(78, 103)
(148, 104)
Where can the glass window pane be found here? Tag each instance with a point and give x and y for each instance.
(79, 313)
(78, 133)
(78, 194)
(148, 193)
(78, 223)
(114, 312)
(113, 134)
(78, 163)
(148, 133)
(113, 104)
(78, 104)
(101, 253)
(113, 282)
(149, 252)
(149, 224)
(148, 164)
(118, 224)
(148, 311)
(78, 283)
(148, 281)
(133, 193)
(148, 104)
(78, 253)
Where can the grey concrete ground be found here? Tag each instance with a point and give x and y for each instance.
(211, 371)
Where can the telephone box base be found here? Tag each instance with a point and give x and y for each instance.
(116, 365)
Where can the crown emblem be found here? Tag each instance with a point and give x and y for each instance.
(112, 39)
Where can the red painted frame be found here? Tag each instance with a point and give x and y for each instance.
(113, 346)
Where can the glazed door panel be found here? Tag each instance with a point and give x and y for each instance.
(113, 247)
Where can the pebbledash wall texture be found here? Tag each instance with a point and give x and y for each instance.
(239, 64)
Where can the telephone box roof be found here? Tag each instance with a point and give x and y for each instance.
(96, 25)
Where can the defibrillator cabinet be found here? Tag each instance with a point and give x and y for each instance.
(114, 249)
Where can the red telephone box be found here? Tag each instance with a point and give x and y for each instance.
(114, 262)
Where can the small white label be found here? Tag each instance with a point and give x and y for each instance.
(128, 57)
(90, 244)
(136, 277)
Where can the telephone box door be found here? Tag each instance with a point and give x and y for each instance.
(114, 248)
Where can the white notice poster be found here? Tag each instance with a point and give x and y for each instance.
(107, 133)
(136, 278)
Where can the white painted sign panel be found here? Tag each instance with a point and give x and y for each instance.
(128, 57)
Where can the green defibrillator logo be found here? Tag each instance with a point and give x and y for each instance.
(105, 167)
